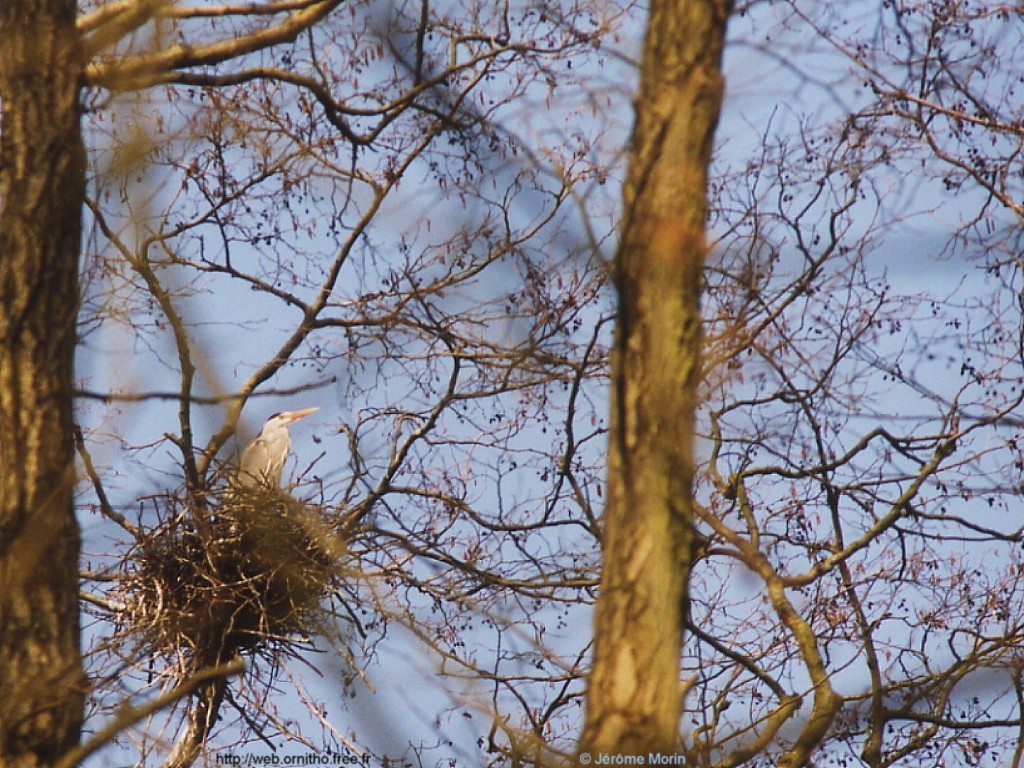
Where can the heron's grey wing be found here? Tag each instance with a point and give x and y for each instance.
(254, 466)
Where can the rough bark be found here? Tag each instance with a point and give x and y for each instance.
(634, 698)
(41, 194)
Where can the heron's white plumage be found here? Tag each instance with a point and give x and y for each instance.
(263, 460)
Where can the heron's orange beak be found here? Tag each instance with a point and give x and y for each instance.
(296, 415)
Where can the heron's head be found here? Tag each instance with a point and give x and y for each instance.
(283, 419)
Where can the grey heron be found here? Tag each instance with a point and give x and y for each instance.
(263, 460)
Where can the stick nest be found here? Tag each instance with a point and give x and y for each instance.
(248, 574)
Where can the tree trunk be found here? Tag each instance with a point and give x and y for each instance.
(201, 718)
(41, 192)
(634, 698)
